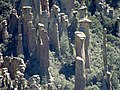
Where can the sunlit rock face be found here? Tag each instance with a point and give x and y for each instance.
(85, 25)
(79, 44)
(79, 73)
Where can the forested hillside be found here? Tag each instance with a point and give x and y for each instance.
(59, 44)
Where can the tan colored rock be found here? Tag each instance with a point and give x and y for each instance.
(85, 26)
(6, 77)
(54, 38)
(79, 74)
(44, 19)
(21, 68)
(31, 38)
(1, 78)
(109, 85)
(79, 44)
(45, 5)
(37, 6)
(5, 34)
(45, 87)
(19, 45)
(20, 80)
(19, 25)
(1, 60)
(82, 11)
(50, 86)
(73, 27)
(14, 66)
(43, 49)
(55, 9)
(34, 82)
(29, 30)
(64, 24)
(7, 61)
(55, 28)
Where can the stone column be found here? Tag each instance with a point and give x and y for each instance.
(105, 50)
(19, 45)
(34, 82)
(13, 23)
(51, 86)
(14, 66)
(43, 49)
(118, 27)
(6, 63)
(5, 34)
(79, 74)
(25, 19)
(1, 78)
(1, 60)
(82, 11)
(73, 27)
(54, 38)
(53, 31)
(29, 30)
(111, 13)
(31, 38)
(85, 25)
(44, 19)
(109, 87)
(45, 5)
(64, 21)
(37, 6)
(79, 44)
(19, 25)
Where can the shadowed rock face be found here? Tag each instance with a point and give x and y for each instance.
(19, 45)
(118, 22)
(29, 30)
(43, 49)
(13, 23)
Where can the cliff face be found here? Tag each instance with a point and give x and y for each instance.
(39, 37)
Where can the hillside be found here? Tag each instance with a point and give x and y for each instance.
(59, 45)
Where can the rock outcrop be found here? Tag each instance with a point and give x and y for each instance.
(79, 74)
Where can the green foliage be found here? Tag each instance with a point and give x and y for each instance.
(94, 77)
(64, 45)
(114, 40)
(96, 27)
(63, 84)
(4, 8)
(92, 7)
(94, 87)
(115, 82)
(108, 23)
(44, 80)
